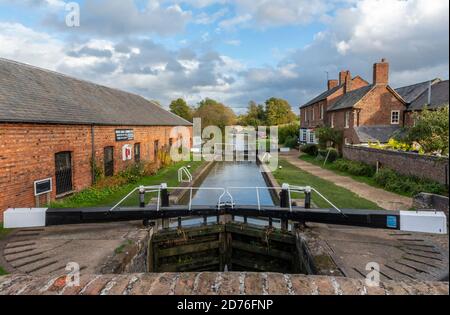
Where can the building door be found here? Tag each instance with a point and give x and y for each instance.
(109, 161)
(137, 152)
(63, 172)
(156, 150)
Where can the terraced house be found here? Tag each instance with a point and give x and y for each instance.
(53, 126)
(369, 112)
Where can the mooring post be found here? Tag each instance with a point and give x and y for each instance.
(308, 197)
(164, 202)
(142, 197)
(284, 203)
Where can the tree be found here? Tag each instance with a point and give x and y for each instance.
(181, 108)
(327, 135)
(214, 113)
(431, 130)
(279, 112)
(255, 116)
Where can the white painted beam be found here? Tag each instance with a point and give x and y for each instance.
(24, 218)
(423, 221)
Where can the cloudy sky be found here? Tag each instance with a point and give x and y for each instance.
(232, 51)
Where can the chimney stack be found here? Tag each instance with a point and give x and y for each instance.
(381, 72)
(342, 76)
(332, 84)
(348, 83)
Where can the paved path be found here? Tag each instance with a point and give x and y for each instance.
(383, 198)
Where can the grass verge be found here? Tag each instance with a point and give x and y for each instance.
(371, 181)
(341, 197)
(104, 197)
(3, 233)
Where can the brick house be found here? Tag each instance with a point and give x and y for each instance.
(52, 126)
(315, 114)
(368, 112)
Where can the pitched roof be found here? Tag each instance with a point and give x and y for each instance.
(439, 97)
(322, 96)
(412, 92)
(349, 99)
(376, 133)
(30, 94)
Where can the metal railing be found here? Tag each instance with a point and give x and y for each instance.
(286, 188)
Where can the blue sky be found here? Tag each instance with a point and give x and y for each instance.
(232, 51)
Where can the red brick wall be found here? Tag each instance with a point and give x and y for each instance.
(429, 167)
(374, 109)
(27, 154)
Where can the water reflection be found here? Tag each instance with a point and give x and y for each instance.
(233, 174)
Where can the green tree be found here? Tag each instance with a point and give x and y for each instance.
(214, 113)
(279, 112)
(431, 130)
(181, 108)
(327, 135)
(255, 116)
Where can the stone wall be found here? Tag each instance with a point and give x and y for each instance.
(210, 283)
(405, 163)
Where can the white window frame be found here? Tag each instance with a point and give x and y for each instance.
(321, 111)
(392, 117)
(312, 137)
(347, 120)
(332, 120)
(313, 114)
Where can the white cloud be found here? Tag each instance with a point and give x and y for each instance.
(233, 42)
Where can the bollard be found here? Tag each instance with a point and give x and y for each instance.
(308, 198)
(284, 203)
(164, 196)
(142, 197)
(284, 196)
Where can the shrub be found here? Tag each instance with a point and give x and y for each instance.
(331, 153)
(328, 135)
(409, 185)
(310, 149)
(354, 168)
(291, 142)
(288, 131)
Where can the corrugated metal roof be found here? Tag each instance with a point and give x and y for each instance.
(349, 99)
(439, 97)
(31, 94)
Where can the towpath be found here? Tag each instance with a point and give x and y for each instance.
(383, 198)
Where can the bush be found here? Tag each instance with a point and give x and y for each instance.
(310, 149)
(287, 133)
(354, 168)
(291, 142)
(331, 153)
(409, 185)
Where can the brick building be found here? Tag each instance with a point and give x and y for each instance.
(52, 126)
(368, 112)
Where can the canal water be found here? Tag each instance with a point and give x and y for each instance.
(236, 176)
